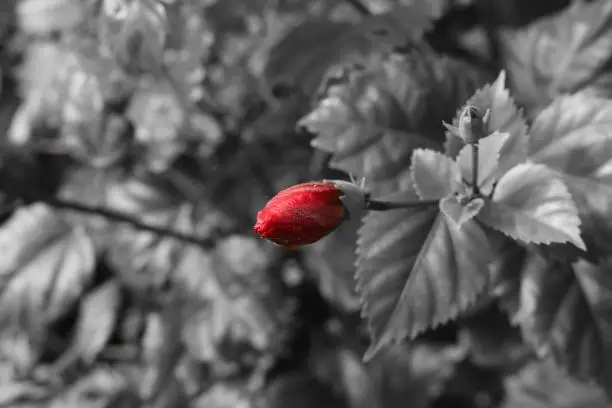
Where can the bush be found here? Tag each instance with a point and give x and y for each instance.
(436, 175)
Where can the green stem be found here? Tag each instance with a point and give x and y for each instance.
(475, 152)
(376, 205)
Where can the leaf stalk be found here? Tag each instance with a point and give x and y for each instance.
(475, 159)
(377, 205)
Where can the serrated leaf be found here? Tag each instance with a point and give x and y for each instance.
(97, 317)
(541, 384)
(434, 175)
(415, 270)
(458, 212)
(46, 264)
(531, 203)
(504, 117)
(371, 119)
(565, 313)
(564, 53)
(573, 137)
(489, 149)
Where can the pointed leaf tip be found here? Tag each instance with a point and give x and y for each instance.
(532, 204)
(417, 270)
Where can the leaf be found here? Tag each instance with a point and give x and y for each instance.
(245, 308)
(408, 20)
(424, 369)
(573, 137)
(458, 212)
(98, 387)
(298, 389)
(11, 393)
(434, 175)
(542, 384)
(492, 341)
(43, 17)
(163, 346)
(415, 270)
(97, 318)
(532, 204)
(504, 118)
(565, 313)
(488, 161)
(145, 259)
(332, 260)
(324, 44)
(46, 264)
(564, 53)
(159, 118)
(372, 118)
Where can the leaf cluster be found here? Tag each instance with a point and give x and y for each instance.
(142, 136)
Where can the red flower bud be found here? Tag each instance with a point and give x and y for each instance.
(305, 213)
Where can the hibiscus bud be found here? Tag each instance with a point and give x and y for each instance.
(472, 124)
(305, 213)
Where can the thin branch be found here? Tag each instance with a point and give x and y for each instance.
(109, 214)
(360, 7)
(375, 205)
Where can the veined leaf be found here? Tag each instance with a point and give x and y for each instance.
(504, 117)
(532, 204)
(371, 119)
(417, 270)
(565, 313)
(434, 175)
(564, 53)
(573, 136)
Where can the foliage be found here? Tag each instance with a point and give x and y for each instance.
(143, 136)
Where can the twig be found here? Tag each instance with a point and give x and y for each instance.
(375, 205)
(108, 213)
(360, 7)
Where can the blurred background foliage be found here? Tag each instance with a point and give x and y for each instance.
(140, 137)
